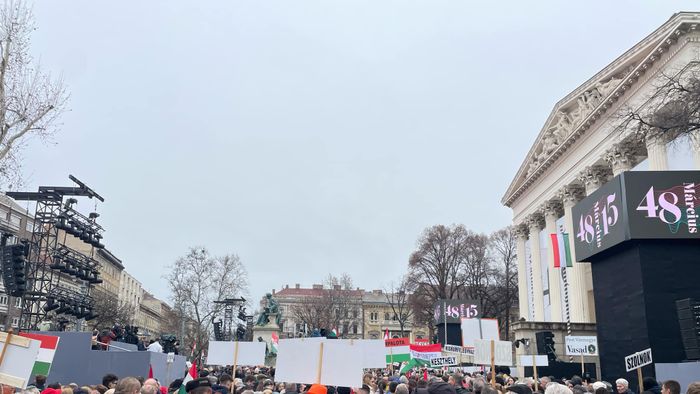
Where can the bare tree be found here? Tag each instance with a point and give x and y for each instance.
(110, 310)
(502, 251)
(196, 281)
(397, 296)
(30, 100)
(335, 306)
(673, 109)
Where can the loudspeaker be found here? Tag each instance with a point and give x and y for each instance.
(689, 321)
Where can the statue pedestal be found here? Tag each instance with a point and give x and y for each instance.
(265, 332)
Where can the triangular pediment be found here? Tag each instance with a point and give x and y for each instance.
(581, 108)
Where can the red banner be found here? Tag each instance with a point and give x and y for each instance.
(393, 342)
(422, 341)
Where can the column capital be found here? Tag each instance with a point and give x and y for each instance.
(594, 177)
(522, 231)
(535, 222)
(622, 156)
(552, 209)
(571, 194)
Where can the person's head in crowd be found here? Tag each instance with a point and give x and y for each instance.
(556, 388)
(519, 389)
(40, 381)
(478, 384)
(576, 381)
(149, 389)
(392, 387)
(649, 383)
(55, 385)
(601, 390)
(622, 385)
(101, 388)
(671, 387)
(248, 392)
(489, 390)
(693, 388)
(201, 385)
(174, 385)
(110, 380)
(401, 388)
(578, 389)
(544, 381)
(151, 382)
(510, 381)
(317, 389)
(128, 386)
(290, 388)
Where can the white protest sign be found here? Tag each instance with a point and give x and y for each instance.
(373, 352)
(638, 360)
(20, 355)
(331, 363)
(539, 361)
(503, 352)
(457, 349)
(474, 328)
(581, 345)
(443, 361)
(238, 353)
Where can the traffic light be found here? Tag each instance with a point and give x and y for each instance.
(545, 344)
(14, 268)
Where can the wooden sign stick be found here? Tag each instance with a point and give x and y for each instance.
(534, 371)
(5, 345)
(320, 364)
(582, 366)
(235, 359)
(641, 379)
(493, 363)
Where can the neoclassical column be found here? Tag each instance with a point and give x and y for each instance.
(656, 151)
(578, 297)
(552, 211)
(535, 222)
(521, 232)
(621, 157)
(594, 177)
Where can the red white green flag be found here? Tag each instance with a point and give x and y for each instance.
(275, 342)
(191, 375)
(561, 249)
(47, 350)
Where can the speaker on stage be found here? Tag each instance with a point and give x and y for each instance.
(689, 321)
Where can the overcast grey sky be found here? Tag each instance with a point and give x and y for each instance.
(310, 137)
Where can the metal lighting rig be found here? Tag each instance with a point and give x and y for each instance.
(49, 259)
(226, 326)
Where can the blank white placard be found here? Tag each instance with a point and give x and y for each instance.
(298, 361)
(249, 353)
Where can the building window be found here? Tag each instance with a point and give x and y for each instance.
(354, 314)
(15, 322)
(30, 226)
(18, 302)
(374, 316)
(386, 316)
(3, 300)
(354, 328)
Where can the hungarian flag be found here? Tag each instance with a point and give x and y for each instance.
(386, 334)
(191, 375)
(397, 350)
(275, 342)
(47, 350)
(426, 352)
(561, 249)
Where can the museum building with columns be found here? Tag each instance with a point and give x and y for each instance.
(581, 147)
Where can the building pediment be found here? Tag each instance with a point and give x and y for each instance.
(582, 108)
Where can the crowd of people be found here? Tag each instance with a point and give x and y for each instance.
(260, 380)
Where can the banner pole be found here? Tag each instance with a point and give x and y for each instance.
(534, 371)
(444, 315)
(391, 353)
(582, 366)
(641, 379)
(320, 364)
(493, 362)
(235, 359)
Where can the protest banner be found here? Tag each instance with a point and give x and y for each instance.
(397, 350)
(425, 353)
(47, 350)
(236, 353)
(581, 346)
(637, 361)
(17, 357)
(534, 361)
(493, 352)
(473, 329)
(436, 362)
(331, 363)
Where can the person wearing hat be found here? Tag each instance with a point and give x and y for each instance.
(199, 386)
(317, 389)
(519, 389)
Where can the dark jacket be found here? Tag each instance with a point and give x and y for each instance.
(440, 387)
